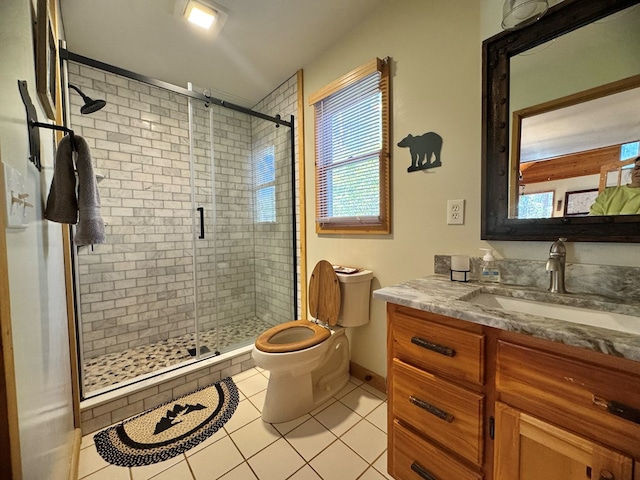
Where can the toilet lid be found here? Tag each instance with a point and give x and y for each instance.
(324, 293)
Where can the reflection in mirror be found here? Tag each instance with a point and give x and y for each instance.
(562, 147)
(622, 197)
(574, 103)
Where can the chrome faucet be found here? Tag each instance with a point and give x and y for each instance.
(556, 264)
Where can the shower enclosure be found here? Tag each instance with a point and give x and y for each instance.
(198, 202)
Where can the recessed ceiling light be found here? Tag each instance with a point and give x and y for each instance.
(200, 14)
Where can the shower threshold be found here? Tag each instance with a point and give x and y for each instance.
(115, 368)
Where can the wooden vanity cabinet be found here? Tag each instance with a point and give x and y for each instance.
(560, 416)
(571, 392)
(528, 448)
(472, 402)
(436, 402)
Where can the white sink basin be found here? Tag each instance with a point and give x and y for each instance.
(584, 316)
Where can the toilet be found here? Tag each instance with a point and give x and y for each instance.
(308, 361)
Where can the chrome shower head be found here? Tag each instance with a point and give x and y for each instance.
(90, 105)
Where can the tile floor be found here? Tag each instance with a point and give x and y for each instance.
(343, 439)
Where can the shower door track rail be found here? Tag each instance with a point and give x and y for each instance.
(74, 57)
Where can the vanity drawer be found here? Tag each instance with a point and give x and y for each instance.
(448, 414)
(412, 454)
(448, 351)
(567, 391)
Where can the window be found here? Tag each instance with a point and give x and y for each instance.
(536, 205)
(352, 151)
(265, 185)
(629, 150)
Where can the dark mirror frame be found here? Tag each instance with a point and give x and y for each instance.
(496, 53)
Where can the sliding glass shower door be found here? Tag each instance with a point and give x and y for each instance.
(200, 253)
(245, 260)
(134, 294)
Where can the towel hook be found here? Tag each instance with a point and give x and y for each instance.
(33, 125)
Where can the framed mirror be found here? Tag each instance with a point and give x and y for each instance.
(556, 117)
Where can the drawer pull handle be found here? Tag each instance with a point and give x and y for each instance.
(434, 347)
(618, 409)
(422, 472)
(433, 410)
(605, 475)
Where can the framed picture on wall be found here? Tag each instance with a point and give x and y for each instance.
(46, 59)
(578, 202)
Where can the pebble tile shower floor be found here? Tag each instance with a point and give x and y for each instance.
(343, 439)
(112, 368)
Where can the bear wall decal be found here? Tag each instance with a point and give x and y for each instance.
(421, 149)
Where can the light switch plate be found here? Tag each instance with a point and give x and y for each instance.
(14, 198)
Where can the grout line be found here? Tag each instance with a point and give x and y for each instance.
(283, 436)
(186, 459)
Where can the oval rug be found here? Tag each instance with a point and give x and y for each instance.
(169, 429)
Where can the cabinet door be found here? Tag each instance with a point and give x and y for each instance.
(527, 448)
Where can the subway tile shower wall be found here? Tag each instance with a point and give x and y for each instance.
(138, 287)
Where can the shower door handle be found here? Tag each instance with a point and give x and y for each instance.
(201, 210)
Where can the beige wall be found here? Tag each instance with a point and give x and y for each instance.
(436, 86)
(36, 279)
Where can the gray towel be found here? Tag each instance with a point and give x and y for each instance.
(62, 206)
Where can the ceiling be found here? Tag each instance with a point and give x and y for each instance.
(598, 123)
(261, 44)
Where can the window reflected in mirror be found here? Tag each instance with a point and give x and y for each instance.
(535, 205)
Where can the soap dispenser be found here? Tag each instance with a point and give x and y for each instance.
(490, 273)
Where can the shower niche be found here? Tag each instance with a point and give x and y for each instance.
(198, 201)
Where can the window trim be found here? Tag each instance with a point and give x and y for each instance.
(352, 225)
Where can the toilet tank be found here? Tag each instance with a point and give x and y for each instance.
(355, 295)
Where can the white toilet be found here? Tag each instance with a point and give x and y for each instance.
(308, 362)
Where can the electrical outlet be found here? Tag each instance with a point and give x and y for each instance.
(455, 212)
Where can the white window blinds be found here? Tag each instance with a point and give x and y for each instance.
(349, 143)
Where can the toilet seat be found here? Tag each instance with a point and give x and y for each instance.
(324, 304)
(267, 343)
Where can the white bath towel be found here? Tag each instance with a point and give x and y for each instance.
(62, 204)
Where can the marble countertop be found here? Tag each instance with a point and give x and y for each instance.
(438, 294)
